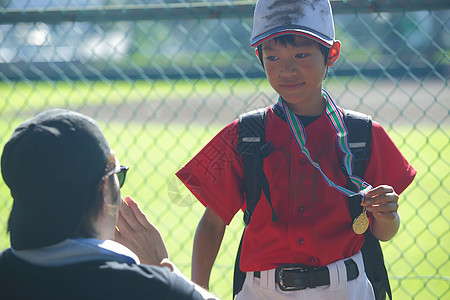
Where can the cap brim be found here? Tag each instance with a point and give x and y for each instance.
(296, 30)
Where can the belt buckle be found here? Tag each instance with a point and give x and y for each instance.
(280, 277)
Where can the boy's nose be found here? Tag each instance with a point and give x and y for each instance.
(289, 68)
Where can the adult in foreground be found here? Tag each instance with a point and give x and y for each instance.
(65, 182)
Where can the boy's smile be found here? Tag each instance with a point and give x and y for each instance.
(296, 72)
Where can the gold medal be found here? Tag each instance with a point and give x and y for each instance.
(361, 223)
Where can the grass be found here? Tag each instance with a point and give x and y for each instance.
(417, 258)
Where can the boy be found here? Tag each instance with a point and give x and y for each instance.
(313, 234)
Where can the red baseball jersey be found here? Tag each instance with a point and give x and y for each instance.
(314, 223)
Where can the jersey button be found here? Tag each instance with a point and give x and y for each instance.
(300, 241)
(301, 210)
(302, 162)
(312, 260)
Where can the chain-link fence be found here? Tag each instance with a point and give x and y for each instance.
(162, 77)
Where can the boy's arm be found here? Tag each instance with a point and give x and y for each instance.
(207, 241)
(382, 202)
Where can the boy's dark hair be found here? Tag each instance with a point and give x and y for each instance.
(289, 39)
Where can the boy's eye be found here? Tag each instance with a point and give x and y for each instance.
(271, 58)
(301, 55)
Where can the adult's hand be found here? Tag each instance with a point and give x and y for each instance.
(135, 231)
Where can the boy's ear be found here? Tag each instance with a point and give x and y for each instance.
(259, 55)
(335, 51)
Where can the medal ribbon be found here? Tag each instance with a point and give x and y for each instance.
(335, 117)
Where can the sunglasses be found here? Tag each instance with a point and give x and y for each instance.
(121, 174)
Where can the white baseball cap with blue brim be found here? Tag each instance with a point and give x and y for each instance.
(309, 18)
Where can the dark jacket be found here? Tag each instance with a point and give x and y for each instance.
(89, 280)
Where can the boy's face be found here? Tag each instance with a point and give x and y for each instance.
(296, 73)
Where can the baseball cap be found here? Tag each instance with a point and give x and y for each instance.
(53, 164)
(312, 19)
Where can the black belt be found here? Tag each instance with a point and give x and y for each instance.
(297, 277)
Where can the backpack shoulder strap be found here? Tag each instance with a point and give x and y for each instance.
(253, 149)
(359, 128)
(251, 137)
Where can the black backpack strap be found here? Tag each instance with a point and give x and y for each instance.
(359, 128)
(374, 266)
(238, 274)
(253, 149)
